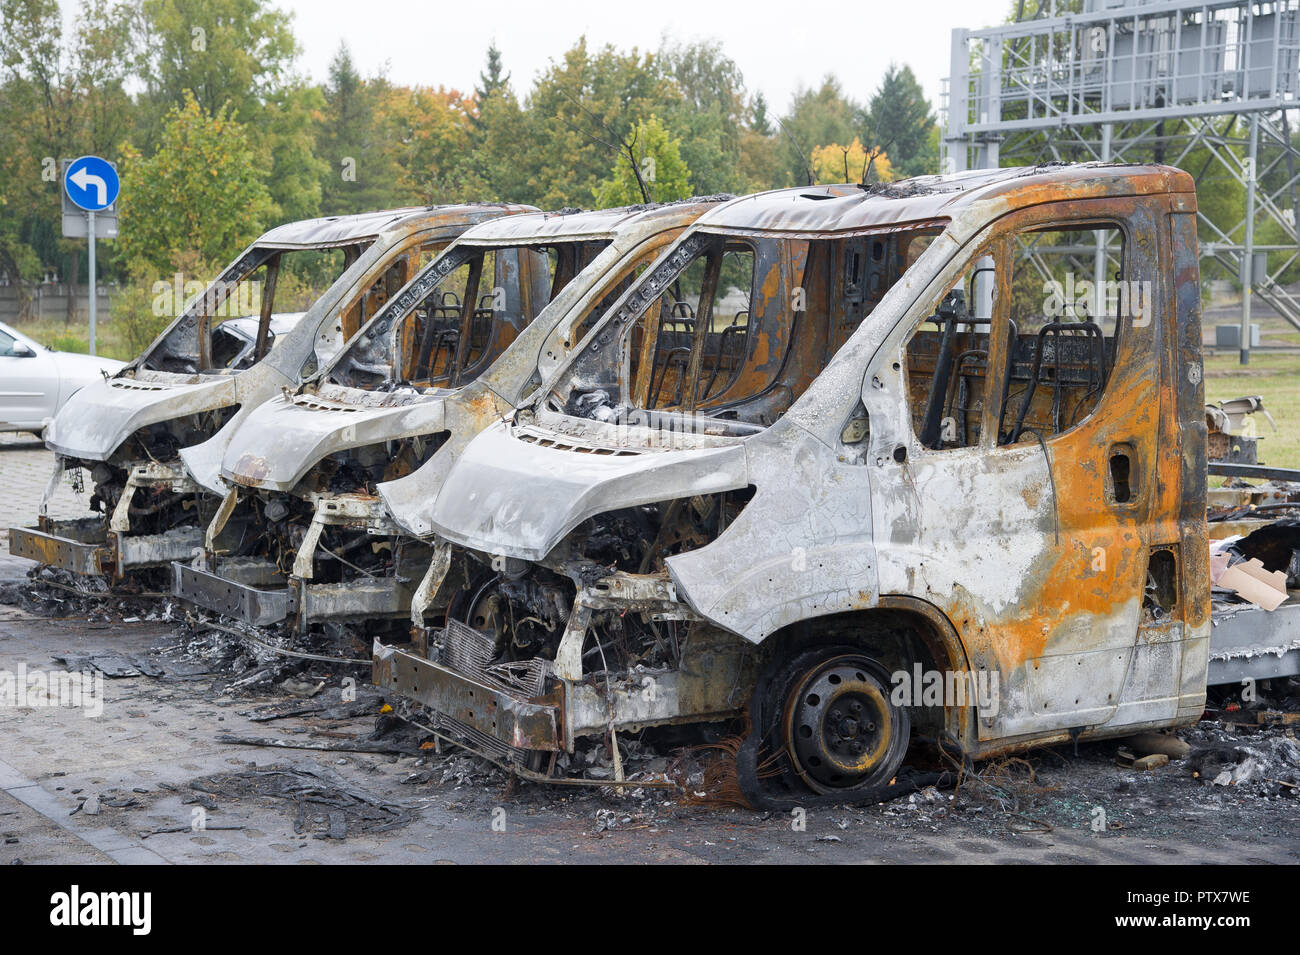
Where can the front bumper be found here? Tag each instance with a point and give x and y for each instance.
(491, 714)
(497, 705)
(79, 546)
(85, 547)
(232, 595)
(91, 546)
(250, 593)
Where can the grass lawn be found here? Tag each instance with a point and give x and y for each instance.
(74, 336)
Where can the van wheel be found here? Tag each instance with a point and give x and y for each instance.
(830, 716)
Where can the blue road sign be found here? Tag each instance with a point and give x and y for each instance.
(91, 183)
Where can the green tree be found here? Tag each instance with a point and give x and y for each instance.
(435, 126)
(287, 151)
(708, 113)
(762, 162)
(1036, 9)
(577, 114)
(762, 159)
(360, 142)
(199, 192)
(817, 118)
(234, 53)
(659, 160)
(488, 167)
(62, 94)
(492, 82)
(899, 120)
(759, 121)
(834, 163)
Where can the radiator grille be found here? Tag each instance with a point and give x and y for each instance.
(470, 652)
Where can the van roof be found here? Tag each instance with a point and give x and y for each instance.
(849, 207)
(573, 225)
(342, 230)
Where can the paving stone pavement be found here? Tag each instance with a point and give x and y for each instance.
(25, 466)
(151, 737)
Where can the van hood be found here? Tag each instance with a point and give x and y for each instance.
(283, 439)
(95, 421)
(510, 495)
(409, 499)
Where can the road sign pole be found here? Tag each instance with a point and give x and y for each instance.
(90, 264)
(91, 185)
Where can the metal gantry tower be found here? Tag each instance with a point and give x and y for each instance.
(1209, 87)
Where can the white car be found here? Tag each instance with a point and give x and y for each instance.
(234, 340)
(35, 381)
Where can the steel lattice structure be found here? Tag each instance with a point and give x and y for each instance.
(1211, 87)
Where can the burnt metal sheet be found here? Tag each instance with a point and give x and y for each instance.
(257, 606)
(154, 550)
(601, 223)
(76, 546)
(280, 441)
(95, 421)
(540, 227)
(516, 498)
(352, 600)
(1252, 643)
(340, 230)
(653, 698)
(1225, 469)
(515, 721)
(84, 546)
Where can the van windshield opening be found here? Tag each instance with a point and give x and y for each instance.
(232, 323)
(459, 314)
(734, 327)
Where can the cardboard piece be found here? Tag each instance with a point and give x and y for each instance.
(1252, 581)
(1218, 564)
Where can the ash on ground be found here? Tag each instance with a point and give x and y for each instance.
(52, 592)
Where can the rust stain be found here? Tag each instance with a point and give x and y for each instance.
(250, 470)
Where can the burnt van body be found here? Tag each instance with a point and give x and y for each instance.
(126, 432)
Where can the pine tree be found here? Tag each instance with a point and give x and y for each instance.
(491, 82)
(759, 121)
(899, 121)
(359, 142)
(492, 85)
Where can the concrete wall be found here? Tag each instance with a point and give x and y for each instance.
(50, 301)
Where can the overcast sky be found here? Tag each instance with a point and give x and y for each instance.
(778, 46)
